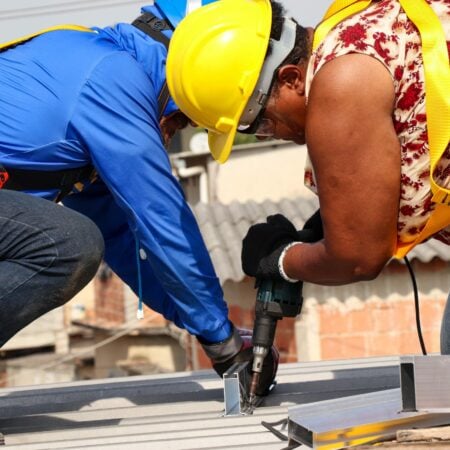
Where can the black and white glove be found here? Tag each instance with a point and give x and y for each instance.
(265, 243)
(239, 348)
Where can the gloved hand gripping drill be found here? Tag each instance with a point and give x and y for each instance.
(263, 250)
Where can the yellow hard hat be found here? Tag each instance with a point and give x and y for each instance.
(213, 65)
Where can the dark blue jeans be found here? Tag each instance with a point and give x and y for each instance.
(48, 253)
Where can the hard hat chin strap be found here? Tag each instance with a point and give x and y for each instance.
(279, 51)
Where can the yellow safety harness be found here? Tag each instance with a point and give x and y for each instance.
(23, 39)
(437, 91)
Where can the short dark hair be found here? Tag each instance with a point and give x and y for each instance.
(301, 49)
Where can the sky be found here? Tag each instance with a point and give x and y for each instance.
(20, 17)
(307, 12)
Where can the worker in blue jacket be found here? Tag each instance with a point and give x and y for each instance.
(81, 106)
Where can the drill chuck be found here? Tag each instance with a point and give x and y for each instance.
(259, 353)
(264, 328)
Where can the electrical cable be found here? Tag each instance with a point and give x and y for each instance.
(416, 305)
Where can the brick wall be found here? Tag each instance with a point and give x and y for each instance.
(116, 304)
(378, 327)
(110, 300)
(383, 323)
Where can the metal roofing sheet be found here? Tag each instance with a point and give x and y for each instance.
(178, 411)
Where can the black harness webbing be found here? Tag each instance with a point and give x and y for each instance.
(154, 26)
(64, 180)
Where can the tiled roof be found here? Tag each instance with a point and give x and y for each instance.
(178, 411)
(223, 227)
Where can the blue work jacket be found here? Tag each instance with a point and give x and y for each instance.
(71, 98)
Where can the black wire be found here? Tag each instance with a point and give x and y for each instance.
(271, 427)
(416, 304)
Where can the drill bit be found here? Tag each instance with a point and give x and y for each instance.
(259, 353)
(253, 386)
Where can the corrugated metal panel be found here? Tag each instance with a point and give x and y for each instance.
(179, 411)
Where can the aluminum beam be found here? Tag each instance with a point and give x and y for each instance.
(234, 382)
(425, 383)
(355, 420)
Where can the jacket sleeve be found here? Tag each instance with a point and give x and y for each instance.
(116, 121)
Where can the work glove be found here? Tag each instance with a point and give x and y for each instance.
(239, 348)
(265, 242)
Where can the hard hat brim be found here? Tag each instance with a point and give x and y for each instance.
(220, 144)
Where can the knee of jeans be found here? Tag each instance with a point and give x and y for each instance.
(88, 245)
(93, 247)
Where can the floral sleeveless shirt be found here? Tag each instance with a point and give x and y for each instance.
(384, 32)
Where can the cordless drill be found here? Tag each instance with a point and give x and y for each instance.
(275, 299)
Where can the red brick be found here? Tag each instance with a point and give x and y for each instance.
(430, 313)
(241, 317)
(332, 321)
(381, 344)
(432, 341)
(109, 300)
(360, 320)
(409, 343)
(383, 316)
(285, 336)
(203, 361)
(342, 347)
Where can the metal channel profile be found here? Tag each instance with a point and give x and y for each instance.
(355, 420)
(234, 382)
(425, 383)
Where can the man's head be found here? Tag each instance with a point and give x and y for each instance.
(237, 65)
(167, 14)
(171, 123)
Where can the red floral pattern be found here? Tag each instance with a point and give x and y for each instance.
(384, 32)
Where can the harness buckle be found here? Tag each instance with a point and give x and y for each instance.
(4, 176)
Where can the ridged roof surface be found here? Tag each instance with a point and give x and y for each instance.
(181, 411)
(224, 226)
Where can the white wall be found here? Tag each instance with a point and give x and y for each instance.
(265, 173)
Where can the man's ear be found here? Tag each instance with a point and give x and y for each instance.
(293, 77)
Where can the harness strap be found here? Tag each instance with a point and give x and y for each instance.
(62, 180)
(336, 13)
(153, 26)
(3, 176)
(437, 88)
(14, 42)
